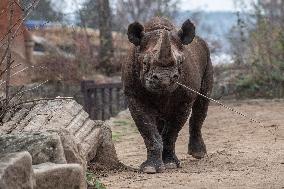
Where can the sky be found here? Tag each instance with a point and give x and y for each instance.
(206, 5)
(212, 5)
(71, 6)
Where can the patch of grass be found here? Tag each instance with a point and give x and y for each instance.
(116, 136)
(121, 122)
(93, 181)
(122, 127)
(125, 123)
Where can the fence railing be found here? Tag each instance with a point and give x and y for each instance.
(103, 101)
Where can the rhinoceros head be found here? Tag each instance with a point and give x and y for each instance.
(160, 54)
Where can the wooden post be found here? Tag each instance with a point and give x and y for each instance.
(110, 102)
(87, 93)
(103, 103)
(117, 100)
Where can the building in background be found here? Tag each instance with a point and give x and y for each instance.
(21, 46)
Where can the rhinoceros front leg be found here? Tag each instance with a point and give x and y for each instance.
(172, 127)
(170, 134)
(145, 120)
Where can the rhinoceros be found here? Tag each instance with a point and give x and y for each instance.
(161, 57)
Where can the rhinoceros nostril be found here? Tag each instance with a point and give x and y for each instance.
(155, 77)
(175, 77)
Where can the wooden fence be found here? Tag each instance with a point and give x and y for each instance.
(103, 101)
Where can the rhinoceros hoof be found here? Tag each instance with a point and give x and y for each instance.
(197, 148)
(171, 162)
(151, 167)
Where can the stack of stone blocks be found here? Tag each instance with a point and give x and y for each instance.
(49, 145)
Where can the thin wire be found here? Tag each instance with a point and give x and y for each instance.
(22, 70)
(21, 92)
(220, 104)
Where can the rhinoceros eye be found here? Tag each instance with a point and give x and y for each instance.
(146, 59)
(146, 62)
(180, 60)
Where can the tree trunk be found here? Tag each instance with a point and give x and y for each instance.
(106, 46)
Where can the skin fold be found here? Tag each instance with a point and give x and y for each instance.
(162, 55)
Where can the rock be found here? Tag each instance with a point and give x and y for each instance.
(16, 171)
(81, 137)
(72, 148)
(43, 147)
(59, 176)
(106, 157)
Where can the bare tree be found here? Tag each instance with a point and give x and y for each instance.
(46, 9)
(106, 45)
(239, 39)
(9, 53)
(274, 10)
(88, 15)
(142, 10)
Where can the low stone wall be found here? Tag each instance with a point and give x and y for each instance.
(58, 132)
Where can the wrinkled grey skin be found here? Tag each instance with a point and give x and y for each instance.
(160, 57)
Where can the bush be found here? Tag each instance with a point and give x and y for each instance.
(265, 59)
(57, 68)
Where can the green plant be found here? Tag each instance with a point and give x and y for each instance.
(93, 181)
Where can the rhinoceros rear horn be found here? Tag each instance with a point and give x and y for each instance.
(187, 32)
(135, 33)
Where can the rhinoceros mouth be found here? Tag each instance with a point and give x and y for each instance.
(160, 89)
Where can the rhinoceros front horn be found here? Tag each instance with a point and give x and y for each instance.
(165, 47)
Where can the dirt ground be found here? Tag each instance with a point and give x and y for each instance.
(240, 154)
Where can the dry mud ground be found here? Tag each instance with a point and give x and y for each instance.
(240, 154)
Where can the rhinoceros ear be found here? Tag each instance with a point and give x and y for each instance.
(135, 33)
(187, 32)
